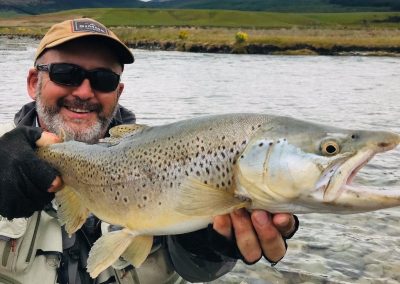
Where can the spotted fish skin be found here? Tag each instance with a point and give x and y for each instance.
(174, 178)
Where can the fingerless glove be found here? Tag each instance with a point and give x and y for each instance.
(24, 178)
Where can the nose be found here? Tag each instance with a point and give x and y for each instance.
(84, 91)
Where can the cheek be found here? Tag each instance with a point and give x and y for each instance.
(108, 102)
(51, 93)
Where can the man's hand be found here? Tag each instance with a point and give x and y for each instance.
(259, 233)
(26, 182)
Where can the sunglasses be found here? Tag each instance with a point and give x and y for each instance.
(67, 74)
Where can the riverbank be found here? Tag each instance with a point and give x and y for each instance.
(215, 32)
(377, 42)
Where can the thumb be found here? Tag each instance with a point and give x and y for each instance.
(47, 138)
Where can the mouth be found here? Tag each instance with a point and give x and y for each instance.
(343, 174)
(80, 109)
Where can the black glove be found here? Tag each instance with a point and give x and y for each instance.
(24, 178)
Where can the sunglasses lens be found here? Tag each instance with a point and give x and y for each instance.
(67, 74)
(102, 80)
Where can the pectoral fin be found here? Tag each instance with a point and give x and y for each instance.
(71, 211)
(199, 199)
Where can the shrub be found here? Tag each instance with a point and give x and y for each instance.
(241, 37)
(183, 34)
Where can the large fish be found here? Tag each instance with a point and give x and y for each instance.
(174, 178)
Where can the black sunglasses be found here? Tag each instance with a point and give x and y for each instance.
(67, 74)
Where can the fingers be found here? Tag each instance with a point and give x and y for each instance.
(222, 224)
(246, 238)
(47, 138)
(270, 238)
(285, 223)
(56, 185)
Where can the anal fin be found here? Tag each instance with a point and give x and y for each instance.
(138, 250)
(106, 250)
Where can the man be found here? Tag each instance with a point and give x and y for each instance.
(75, 86)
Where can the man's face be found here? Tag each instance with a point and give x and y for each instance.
(82, 112)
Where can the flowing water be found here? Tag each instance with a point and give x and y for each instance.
(352, 92)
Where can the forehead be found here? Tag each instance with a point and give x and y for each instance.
(85, 53)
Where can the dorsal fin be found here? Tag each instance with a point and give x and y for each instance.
(123, 130)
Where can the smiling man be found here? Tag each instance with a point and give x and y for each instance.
(75, 84)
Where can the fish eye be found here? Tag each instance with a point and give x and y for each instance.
(330, 148)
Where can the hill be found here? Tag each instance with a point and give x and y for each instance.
(45, 6)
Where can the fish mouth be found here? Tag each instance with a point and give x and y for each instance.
(345, 169)
(344, 172)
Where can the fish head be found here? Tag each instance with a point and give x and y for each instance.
(301, 167)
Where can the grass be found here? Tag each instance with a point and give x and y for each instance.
(373, 30)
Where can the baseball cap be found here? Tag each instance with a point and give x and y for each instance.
(84, 27)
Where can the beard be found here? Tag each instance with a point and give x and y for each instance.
(50, 116)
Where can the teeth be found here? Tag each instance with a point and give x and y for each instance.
(79, 110)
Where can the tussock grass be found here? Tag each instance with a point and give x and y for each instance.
(378, 30)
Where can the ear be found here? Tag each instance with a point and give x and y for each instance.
(32, 82)
(120, 89)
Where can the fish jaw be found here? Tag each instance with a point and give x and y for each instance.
(340, 191)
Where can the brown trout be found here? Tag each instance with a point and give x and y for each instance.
(174, 178)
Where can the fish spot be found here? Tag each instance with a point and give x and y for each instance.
(383, 144)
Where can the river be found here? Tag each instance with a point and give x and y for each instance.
(351, 91)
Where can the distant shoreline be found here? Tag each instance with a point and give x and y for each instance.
(249, 48)
(216, 31)
(267, 49)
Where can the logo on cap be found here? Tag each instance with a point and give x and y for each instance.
(88, 26)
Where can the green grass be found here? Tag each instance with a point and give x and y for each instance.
(221, 18)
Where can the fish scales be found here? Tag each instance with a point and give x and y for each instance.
(174, 178)
(140, 173)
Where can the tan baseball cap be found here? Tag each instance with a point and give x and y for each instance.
(83, 27)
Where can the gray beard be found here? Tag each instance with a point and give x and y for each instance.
(56, 124)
